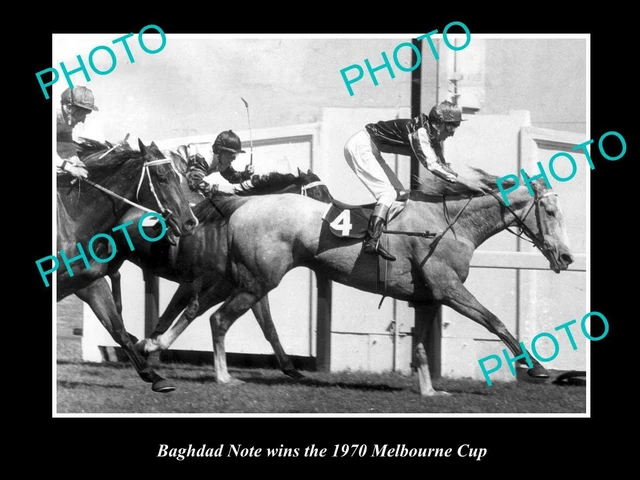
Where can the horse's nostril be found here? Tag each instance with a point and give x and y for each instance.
(566, 258)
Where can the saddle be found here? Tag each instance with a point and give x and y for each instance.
(352, 221)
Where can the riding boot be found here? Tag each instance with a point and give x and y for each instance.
(371, 243)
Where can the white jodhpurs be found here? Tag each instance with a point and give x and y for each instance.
(364, 158)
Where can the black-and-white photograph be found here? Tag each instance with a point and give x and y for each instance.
(309, 225)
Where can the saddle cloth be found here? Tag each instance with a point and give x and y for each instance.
(351, 221)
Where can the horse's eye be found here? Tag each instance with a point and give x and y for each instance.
(551, 213)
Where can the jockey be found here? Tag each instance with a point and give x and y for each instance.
(423, 137)
(75, 104)
(225, 149)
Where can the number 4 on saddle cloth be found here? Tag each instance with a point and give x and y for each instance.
(351, 221)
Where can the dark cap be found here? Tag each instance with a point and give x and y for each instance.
(228, 141)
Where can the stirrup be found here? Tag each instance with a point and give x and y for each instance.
(384, 254)
(369, 248)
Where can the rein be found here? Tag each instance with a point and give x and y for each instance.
(536, 241)
(145, 169)
(427, 233)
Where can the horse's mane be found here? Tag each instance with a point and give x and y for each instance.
(431, 186)
(88, 149)
(271, 183)
(113, 160)
(90, 146)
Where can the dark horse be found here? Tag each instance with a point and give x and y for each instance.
(270, 236)
(198, 262)
(86, 208)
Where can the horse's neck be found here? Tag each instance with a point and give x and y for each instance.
(492, 216)
(94, 211)
(482, 217)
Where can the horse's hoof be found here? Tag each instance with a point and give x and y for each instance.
(441, 393)
(295, 374)
(162, 386)
(436, 393)
(231, 381)
(538, 372)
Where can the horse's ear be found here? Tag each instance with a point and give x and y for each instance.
(309, 172)
(299, 172)
(153, 144)
(179, 162)
(143, 149)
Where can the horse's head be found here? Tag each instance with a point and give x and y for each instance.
(546, 226)
(313, 187)
(162, 192)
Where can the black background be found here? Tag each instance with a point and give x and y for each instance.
(120, 446)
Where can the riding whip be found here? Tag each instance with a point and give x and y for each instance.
(114, 147)
(249, 119)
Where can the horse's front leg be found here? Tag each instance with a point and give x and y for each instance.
(195, 299)
(262, 312)
(98, 296)
(113, 271)
(166, 332)
(451, 292)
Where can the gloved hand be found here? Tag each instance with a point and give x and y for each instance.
(75, 167)
(76, 161)
(249, 169)
(226, 188)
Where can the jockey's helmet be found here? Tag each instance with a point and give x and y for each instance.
(79, 96)
(227, 141)
(446, 112)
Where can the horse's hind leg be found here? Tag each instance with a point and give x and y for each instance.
(98, 296)
(262, 312)
(422, 362)
(234, 307)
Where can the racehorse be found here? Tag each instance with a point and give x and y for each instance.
(88, 207)
(199, 262)
(270, 236)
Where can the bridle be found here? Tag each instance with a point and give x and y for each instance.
(309, 186)
(166, 213)
(534, 238)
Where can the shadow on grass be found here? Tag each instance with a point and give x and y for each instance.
(71, 385)
(258, 379)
